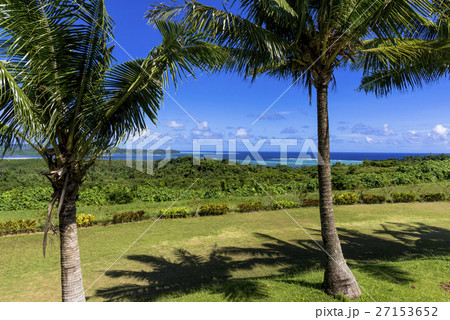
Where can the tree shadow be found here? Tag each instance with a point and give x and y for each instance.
(241, 290)
(289, 256)
(395, 241)
(186, 273)
(189, 272)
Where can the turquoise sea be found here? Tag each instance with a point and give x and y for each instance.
(266, 158)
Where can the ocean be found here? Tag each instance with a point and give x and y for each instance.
(293, 159)
(266, 158)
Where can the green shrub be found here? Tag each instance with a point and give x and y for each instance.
(17, 226)
(175, 212)
(250, 206)
(128, 216)
(372, 198)
(344, 182)
(403, 197)
(93, 196)
(19, 199)
(85, 220)
(312, 185)
(214, 209)
(345, 198)
(118, 194)
(310, 202)
(431, 197)
(284, 204)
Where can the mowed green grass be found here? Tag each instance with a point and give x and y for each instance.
(398, 252)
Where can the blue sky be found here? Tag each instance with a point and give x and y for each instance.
(224, 106)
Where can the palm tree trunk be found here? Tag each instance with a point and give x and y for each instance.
(338, 278)
(71, 278)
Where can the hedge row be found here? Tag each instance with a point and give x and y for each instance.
(128, 216)
(175, 212)
(396, 197)
(214, 209)
(250, 206)
(17, 226)
(86, 220)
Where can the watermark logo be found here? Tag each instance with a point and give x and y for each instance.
(307, 154)
(144, 151)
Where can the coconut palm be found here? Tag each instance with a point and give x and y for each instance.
(397, 43)
(62, 93)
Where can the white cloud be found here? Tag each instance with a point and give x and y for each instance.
(174, 124)
(438, 135)
(365, 129)
(440, 130)
(387, 131)
(241, 132)
(203, 126)
(204, 131)
(369, 140)
(200, 133)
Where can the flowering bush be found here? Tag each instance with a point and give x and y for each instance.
(372, 198)
(345, 198)
(250, 206)
(284, 204)
(85, 220)
(17, 226)
(214, 209)
(175, 212)
(128, 217)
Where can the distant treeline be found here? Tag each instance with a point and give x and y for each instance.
(213, 174)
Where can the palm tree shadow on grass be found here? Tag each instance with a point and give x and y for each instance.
(189, 272)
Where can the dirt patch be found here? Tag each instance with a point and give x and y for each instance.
(445, 286)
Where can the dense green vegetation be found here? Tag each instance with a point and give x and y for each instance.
(112, 182)
(255, 256)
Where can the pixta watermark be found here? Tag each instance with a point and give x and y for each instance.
(153, 150)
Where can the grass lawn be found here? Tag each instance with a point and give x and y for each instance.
(398, 252)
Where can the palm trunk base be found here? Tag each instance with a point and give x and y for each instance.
(339, 280)
(71, 277)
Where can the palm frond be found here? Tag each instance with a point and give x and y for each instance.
(223, 28)
(134, 90)
(17, 113)
(409, 63)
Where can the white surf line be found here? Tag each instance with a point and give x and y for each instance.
(143, 233)
(309, 235)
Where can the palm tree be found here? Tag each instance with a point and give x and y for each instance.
(62, 94)
(395, 42)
